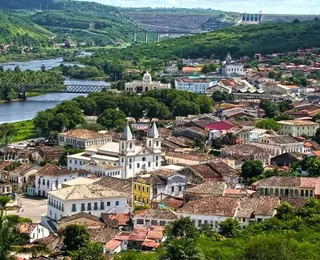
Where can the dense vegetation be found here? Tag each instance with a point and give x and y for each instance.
(12, 80)
(292, 234)
(112, 109)
(239, 40)
(79, 21)
(21, 31)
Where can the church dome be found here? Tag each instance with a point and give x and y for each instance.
(147, 77)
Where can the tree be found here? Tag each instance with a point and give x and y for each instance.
(7, 131)
(112, 119)
(284, 211)
(221, 96)
(285, 105)
(229, 228)
(270, 124)
(185, 108)
(181, 240)
(283, 117)
(251, 169)
(91, 251)
(317, 136)
(269, 107)
(75, 237)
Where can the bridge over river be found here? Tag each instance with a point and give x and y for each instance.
(76, 88)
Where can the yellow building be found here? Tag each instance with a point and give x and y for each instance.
(142, 192)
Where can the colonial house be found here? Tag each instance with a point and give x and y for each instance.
(82, 218)
(298, 128)
(297, 187)
(94, 199)
(213, 210)
(213, 171)
(246, 152)
(145, 85)
(149, 187)
(5, 189)
(279, 144)
(20, 176)
(286, 159)
(102, 169)
(187, 158)
(51, 177)
(83, 138)
(154, 217)
(125, 154)
(35, 231)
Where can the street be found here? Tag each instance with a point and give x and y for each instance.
(32, 208)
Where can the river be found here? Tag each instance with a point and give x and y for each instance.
(24, 110)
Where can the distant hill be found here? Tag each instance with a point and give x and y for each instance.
(79, 20)
(21, 31)
(239, 40)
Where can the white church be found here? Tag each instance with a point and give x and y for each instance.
(124, 159)
(231, 68)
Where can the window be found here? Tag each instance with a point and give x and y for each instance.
(130, 166)
(199, 223)
(156, 164)
(130, 145)
(147, 190)
(108, 203)
(157, 143)
(89, 207)
(83, 207)
(180, 188)
(172, 189)
(154, 222)
(311, 193)
(101, 205)
(149, 164)
(48, 183)
(216, 224)
(95, 206)
(74, 208)
(117, 203)
(162, 223)
(138, 165)
(140, 221)
(43, 182)
(307, 193)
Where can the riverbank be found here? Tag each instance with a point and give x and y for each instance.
(24, 130)
(29, 94)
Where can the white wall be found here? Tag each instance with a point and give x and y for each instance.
(38, 233)
(53, 181)
(110, 205)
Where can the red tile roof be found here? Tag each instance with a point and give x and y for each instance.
(222, 125)
(138, 234)
(150, 244)
(112, 244)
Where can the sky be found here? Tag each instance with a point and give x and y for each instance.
(248, 6)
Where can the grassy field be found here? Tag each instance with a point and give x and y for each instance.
(25, 130)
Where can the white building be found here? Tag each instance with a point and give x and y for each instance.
(145, 85)
(279, 144)
(298, 127)
(94, 199)
(125, 154)
(232, 69)
(215, 209)
(83, 138)
(198, 86)
(102, 169)
(50, 177)
(154, 217)
(35, 231)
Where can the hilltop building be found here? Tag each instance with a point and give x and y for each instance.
(124, 158)
(145, 85)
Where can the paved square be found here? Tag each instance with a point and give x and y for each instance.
(32, 208)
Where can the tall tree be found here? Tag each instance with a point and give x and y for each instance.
(75, 237)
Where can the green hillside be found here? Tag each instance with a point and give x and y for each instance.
(79, 20)
(239, 40)
(20, 31)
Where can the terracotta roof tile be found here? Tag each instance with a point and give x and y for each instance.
(158, 214)
(84, 134)
(112, 244)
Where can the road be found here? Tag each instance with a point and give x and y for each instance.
(32, 208)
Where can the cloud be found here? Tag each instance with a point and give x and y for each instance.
(267, 6)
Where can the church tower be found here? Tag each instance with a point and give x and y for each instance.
(228, 59)
(153, 139)
(127, 142)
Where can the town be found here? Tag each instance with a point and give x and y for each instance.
(169, 133)
(255, 149)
